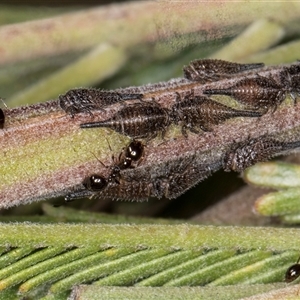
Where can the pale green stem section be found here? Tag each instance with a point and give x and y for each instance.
(259, 36)
(183, 236)
(139, 21)
(279, 203)
(286, 53)
(285, 293)
(68, 214)
(170, 293)
(277, 175)
(56, 152)
(290, 219)
(98, 64)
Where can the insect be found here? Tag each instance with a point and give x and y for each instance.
(258, 92)
(96, 183)
(133, 152)
(2, 119)
(123, 190)
(247, 153)
(202, 112)
(139, 120)
(293, 272)
(208, 70)
(85, 100)
(126, 191)
(194, 173)
(169, 179)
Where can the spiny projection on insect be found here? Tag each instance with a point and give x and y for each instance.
(209, 70)
(258, 92)
(201, 112)
(247, 153)
(85, 100)
(138, 120)
(95, 183)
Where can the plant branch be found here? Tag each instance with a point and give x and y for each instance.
(46, 148)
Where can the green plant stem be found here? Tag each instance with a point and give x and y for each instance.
(48, 149)
(188, 293)
(67, 214)
(178, 236)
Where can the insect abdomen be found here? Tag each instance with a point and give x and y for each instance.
(136, 121)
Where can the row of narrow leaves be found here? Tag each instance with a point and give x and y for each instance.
(56, 260)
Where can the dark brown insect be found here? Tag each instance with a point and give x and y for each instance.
(123, 190)
(293, 272)
(85, 100)
(133, 152)
(208, 70)
(258, 92)
(293, 69)
(139, 120)
(2, 119)
(126, 191)
(201, 112)
(179, 183)
(168, 180)
(96, 183)
(247, 153)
